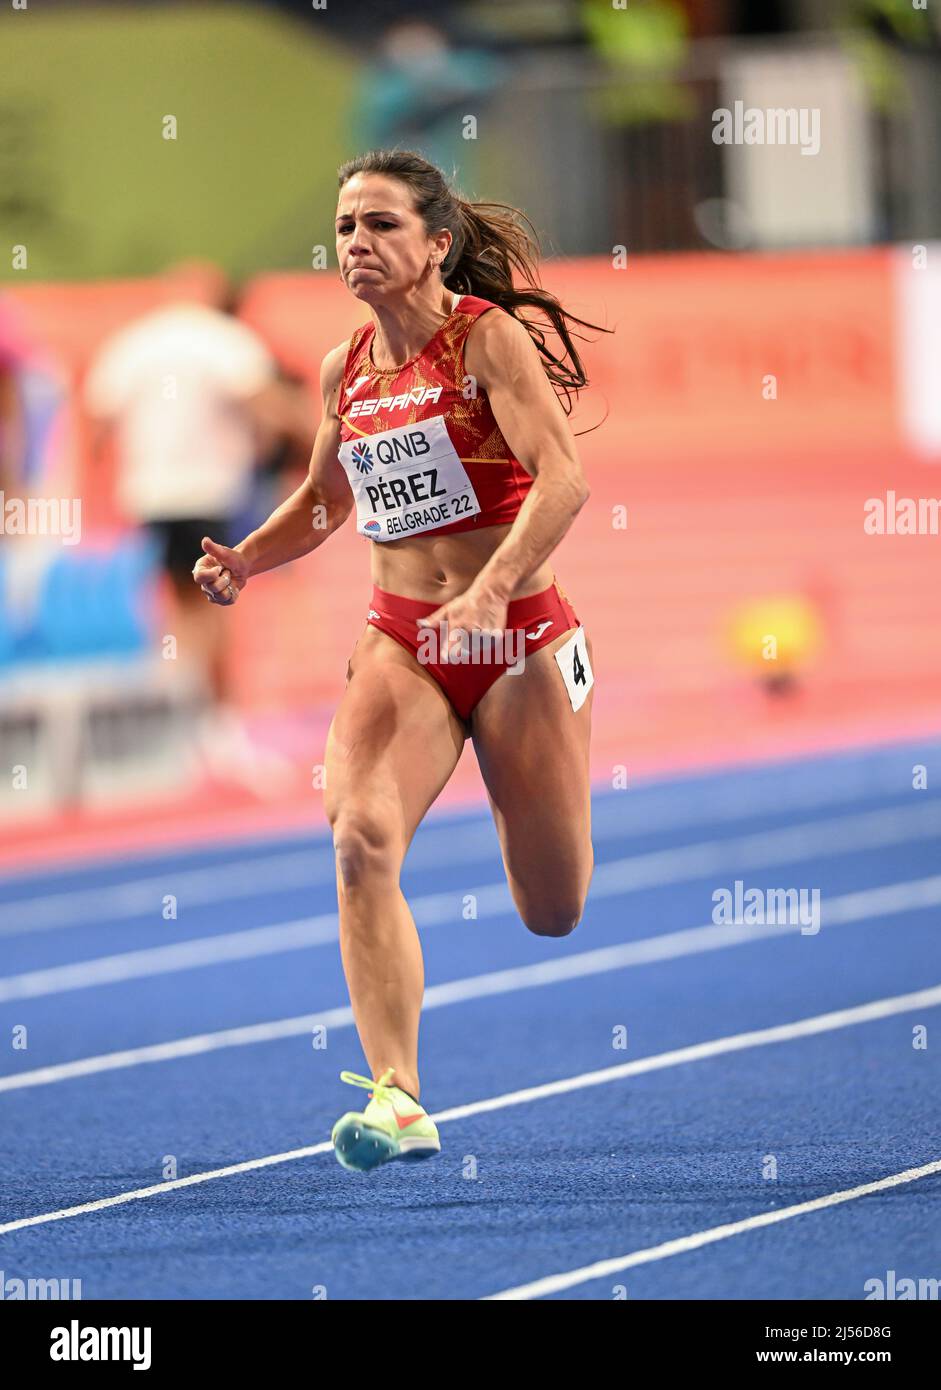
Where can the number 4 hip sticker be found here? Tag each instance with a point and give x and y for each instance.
(575, 666)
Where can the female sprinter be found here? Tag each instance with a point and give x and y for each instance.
(441, 425)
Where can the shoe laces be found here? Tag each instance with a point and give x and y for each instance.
(379, 1090)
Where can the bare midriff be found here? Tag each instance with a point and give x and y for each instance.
(441, 567)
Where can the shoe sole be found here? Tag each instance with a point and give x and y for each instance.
(360, 1148)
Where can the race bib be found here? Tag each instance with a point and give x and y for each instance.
(574, 663)
(407, 480)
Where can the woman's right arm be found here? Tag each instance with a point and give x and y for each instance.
(301, 523)
(322, 502)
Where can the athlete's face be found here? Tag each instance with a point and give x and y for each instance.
(383, 249)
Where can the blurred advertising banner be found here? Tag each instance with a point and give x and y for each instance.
(727, 354)
(724, 352)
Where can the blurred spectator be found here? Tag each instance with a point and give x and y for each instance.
(285, 419)
(419, 91)
(32, 400)
(184, 388)
(12, 419)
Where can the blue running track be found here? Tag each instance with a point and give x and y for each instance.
(635, 1094)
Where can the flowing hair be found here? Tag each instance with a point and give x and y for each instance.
(488, 241)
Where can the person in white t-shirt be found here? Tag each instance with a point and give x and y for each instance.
(181, 388)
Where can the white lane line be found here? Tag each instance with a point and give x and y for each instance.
(809, 840)
(429, 911)
(621, 876)
(602, 1269)
(852, 907)
(158, 1188)
(315, 867)
(191, 1046)
(739, 1042)
(259, 877)
(165, 960)
(142, 896)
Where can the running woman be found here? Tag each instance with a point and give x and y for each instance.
(442, 427)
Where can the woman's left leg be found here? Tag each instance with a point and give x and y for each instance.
(533, 750)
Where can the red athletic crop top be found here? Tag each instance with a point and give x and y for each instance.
(421, 452)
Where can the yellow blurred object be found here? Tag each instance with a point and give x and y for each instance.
(776, 637)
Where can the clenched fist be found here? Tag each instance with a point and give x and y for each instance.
(221, 573)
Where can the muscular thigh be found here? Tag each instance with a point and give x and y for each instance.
(394, 740)
(533, 750)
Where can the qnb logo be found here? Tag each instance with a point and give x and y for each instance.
(362, 458)
(422, 395)
(413, 445)
(901, 1289)
(77, 1343)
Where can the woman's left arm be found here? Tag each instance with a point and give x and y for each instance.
(503, 360)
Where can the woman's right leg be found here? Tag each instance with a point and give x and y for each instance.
(393, 744)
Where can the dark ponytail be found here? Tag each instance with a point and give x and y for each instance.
(488, 242)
